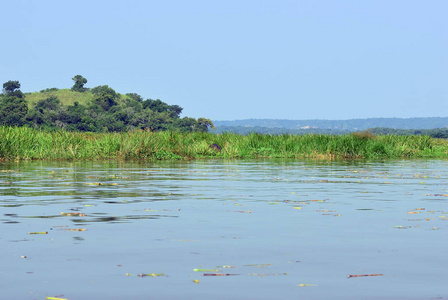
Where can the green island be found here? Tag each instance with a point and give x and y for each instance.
(99, 123)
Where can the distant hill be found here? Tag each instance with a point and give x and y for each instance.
(98, 109)
(276, 126)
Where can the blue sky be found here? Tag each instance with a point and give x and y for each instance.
(228, 60)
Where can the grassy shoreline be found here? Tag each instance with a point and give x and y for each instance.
(22, 143)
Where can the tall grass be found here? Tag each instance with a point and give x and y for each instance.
(22, 143)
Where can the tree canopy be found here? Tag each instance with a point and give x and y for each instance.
(13, 107)
(79, 84)
(10, 86)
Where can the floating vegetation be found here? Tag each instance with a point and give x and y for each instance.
(268, 274)
(218, 274)
(147, 274)
(151, 275)
(363, 275)
(100, 183)
(73, 214)
(258, 265)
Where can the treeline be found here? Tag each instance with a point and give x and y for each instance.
(104, 111)
(440, 133)
(245, 130)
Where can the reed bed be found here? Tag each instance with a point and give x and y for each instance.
(22, 143)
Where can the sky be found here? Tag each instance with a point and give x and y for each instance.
(239, 59)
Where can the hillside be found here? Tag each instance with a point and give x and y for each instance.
(66, 96)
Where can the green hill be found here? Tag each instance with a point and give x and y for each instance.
(98, 109)
(66, 96)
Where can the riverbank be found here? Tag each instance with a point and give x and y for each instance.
(22, 143)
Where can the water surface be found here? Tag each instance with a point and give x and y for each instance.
(282, 229)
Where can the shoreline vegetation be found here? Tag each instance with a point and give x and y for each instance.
(100, 124)
(24, 143)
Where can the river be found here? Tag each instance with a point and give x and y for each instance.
(218, 229)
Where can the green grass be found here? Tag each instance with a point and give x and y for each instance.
(66, 96)
(22, 143)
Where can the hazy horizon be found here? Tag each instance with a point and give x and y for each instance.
(325, 119)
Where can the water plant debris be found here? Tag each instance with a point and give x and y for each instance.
(218, 274)
(363, 275)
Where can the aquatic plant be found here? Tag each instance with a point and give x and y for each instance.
(23, 143)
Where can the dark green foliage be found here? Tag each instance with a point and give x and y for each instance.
(49, 113)
(49, 90)
(51, 104)
(11, 89)
(187, 124)
(135, 97)
(105, 89)
(175, 111)
(135, 105)
(10, 86)
(105, 98)
(159, 106)
(160, 122)
(13, 111)
(155, 105)
(13, 107)
(441, 133)
(205, 124)
(79, 84)
(105, 101)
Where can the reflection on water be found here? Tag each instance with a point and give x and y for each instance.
(260, 229)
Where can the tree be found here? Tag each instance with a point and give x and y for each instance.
(105, 97)
(187, 124)
(51, 103)
(48, 112)
(13, 107)
(159, 106)
(135, 96)
(13, 111)
(206, 124)
(175, 111)
(156, 105)
(11, 89)
(10, 86)
(79, 84)
(160, 121)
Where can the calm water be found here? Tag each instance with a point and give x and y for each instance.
(287, 229)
